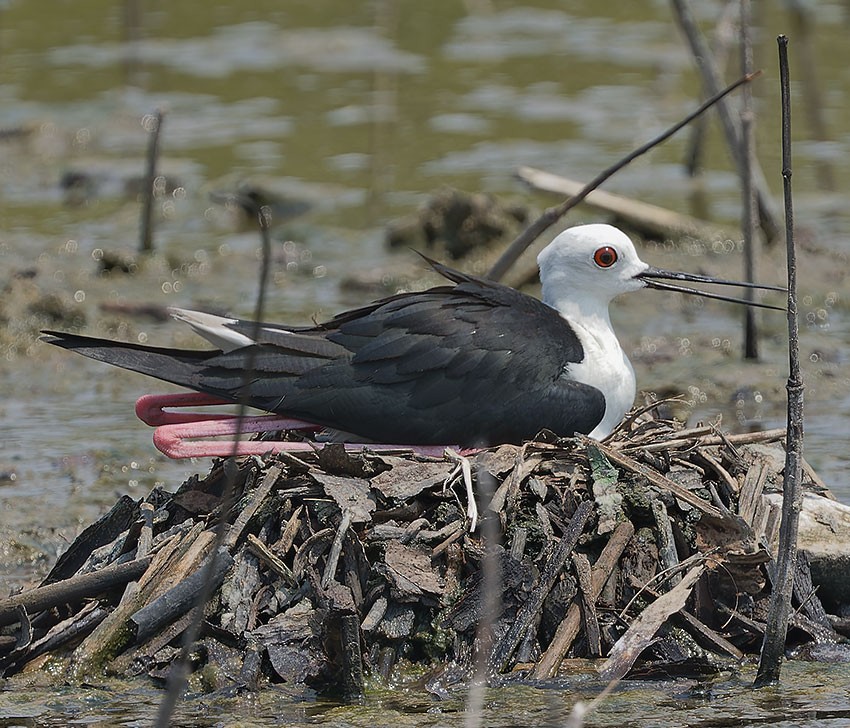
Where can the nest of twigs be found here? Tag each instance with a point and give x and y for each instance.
(654, 547)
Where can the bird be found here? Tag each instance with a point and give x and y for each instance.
(470, 362)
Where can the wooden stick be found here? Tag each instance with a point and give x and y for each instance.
(743, 438)
(701, 632)
(262, 552)
(643, 629)
(748, 192)
(103, 531)
(668, 556)
(773, 646)
(584, 575)
(287, 538)
(258, 498)
(731, 483)
(154, 124)
(336, 549)
(504, 649)
(73, 628)
(71, 589)
(643, 217)
(724, 34)
(492, 584)
(180, 599)
(352, 657)
(752, 488)
(658, 480)
(143, 546)
(553, 214)
(146, 535)
(711, 83)
(457, 531)
(569, 627)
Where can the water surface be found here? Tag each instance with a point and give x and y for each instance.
(361, 110)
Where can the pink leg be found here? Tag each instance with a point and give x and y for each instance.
(176, 434)
(175, 440)
(150, 409)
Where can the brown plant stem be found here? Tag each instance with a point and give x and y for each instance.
(773, 646)
(551, 215)
(711, 82)
(146, 226)
(748, 193)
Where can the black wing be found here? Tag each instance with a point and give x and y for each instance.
(470, 364)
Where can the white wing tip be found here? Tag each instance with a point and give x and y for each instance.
(214, 329)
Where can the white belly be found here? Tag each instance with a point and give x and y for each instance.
(606, 367)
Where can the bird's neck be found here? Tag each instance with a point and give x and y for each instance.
(590, 313)
(604, 364)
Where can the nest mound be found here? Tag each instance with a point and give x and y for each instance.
(654, 545)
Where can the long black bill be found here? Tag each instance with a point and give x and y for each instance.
(651, 276)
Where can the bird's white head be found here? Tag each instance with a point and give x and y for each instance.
(586, 266)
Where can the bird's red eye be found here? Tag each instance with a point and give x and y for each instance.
(605, 257)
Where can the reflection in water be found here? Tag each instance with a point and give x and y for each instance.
(810, 695)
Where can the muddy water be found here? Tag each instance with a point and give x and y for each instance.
(810, 696)
(359, 111)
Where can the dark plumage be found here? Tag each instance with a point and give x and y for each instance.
(481, 362)
(474, 363)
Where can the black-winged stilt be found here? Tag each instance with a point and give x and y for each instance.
(471, 364)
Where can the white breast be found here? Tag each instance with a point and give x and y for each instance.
(606, 367)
